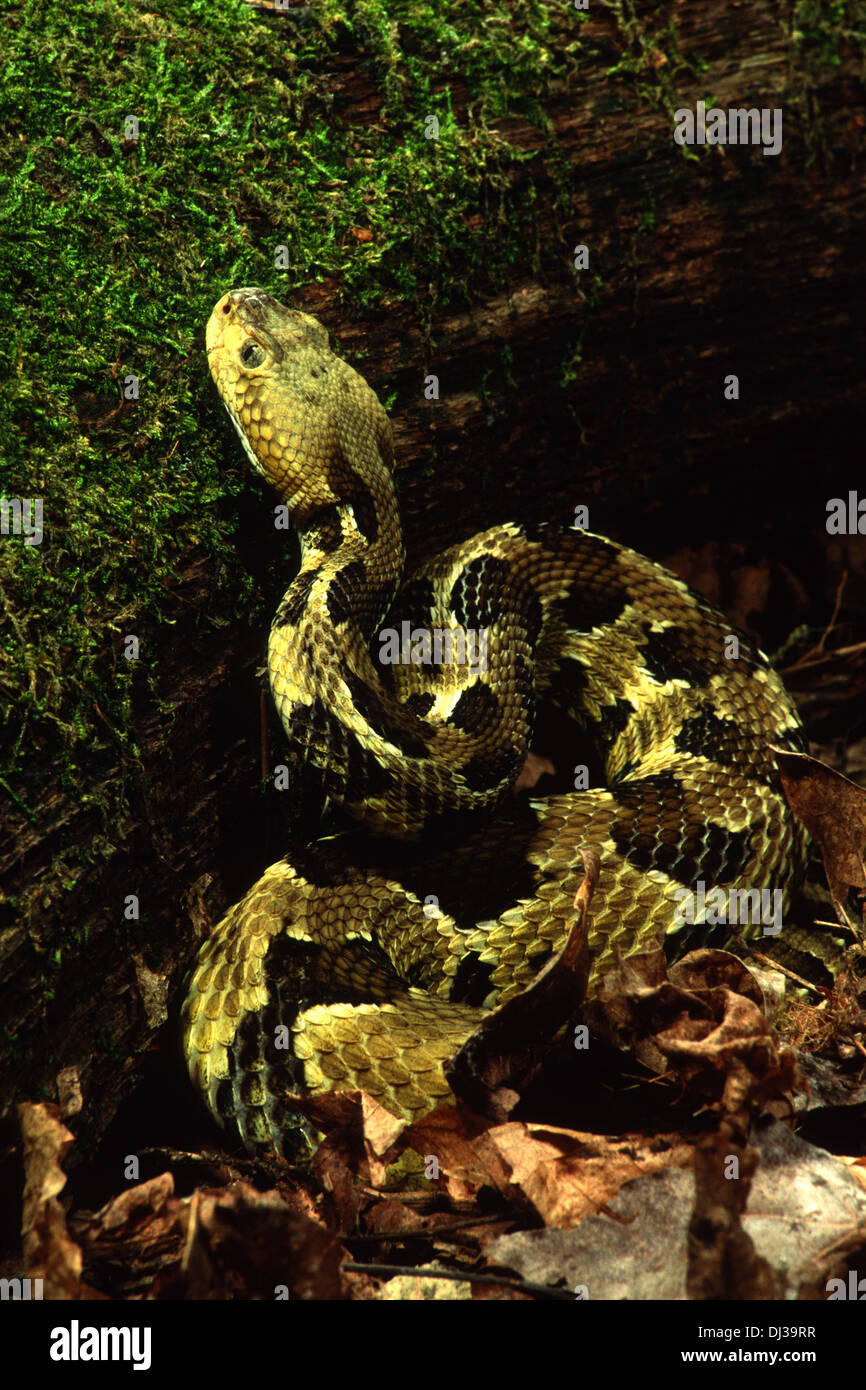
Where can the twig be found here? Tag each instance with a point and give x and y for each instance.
(819, 657)
(792, 975)
(834, 615)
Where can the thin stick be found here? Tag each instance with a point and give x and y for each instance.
(823, 656)
(774, 964)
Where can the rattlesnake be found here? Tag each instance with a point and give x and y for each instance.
(355, 961)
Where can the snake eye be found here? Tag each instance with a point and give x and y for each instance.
(252, 355)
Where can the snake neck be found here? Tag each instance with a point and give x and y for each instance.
(352, 559)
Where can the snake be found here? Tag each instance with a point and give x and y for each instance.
(366, 957)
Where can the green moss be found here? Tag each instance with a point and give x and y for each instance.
(651, 62)
(823, 34)
(824, 30)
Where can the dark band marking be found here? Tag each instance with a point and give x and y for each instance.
(420, 703)
(487, 770)
(658, 827)
(386, 723)
(482, 591)
(698, 936)
(588, 607)
(294, 605)
(794, 740)
(476, 709)
(347, 593)
(471, 984)
(533, 620)
(571, 694)
(670, 655)
(571, 685)
(349, 771)
(414, 604)
(708, 736)
(325, 531)
(538, 532)
(614, 718)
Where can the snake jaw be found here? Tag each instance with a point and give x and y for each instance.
(299, 410)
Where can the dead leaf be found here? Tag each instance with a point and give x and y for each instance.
(722, 1259)
(833, 810)
(249, 1244)
(50, 1253)
(706, 1019)
(566, 1175)
(447, 1134)
(534, 767)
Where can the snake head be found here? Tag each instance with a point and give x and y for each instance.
(301, 412)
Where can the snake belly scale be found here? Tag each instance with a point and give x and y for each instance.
(333, 971)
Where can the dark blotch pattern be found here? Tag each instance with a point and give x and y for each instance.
(489, 769)
(588, 606)
(294, 605)
(225, 1102)
(541, 532)
(698, 936)
(482, 591)
(533, 620)
(671, 655)
(614, 718)
(476, 709)
(300, 973)
(707, 735)
(471, 984)
(325, 531)
(371, 707)
(347, 593)
(420, 703)
(570, 686)
(793, 741)
(658, 827)
(349, 771)
(413, 605)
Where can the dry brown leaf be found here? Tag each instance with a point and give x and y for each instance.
(136, 1205)
(50, 1253)
(361, 1139)
(249, 1244)
(706, 1019)
(567, 1175)
(448, 1134)
(722, 1260)
(135, 1235)
(534, 767)
(833, 810)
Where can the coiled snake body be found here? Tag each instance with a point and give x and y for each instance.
(335, 971)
